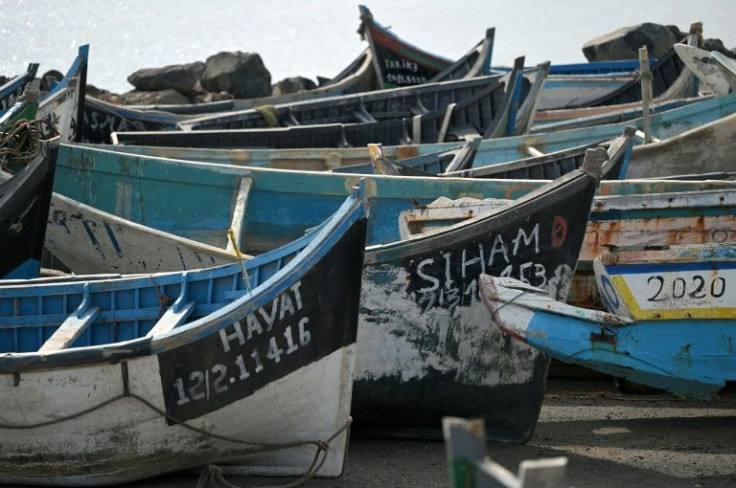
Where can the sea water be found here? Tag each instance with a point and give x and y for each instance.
(311, 38)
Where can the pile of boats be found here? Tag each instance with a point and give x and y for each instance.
(239, 282)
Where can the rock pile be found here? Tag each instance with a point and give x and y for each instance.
(222, 76)
(624, 43)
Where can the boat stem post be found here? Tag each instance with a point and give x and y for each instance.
(646, 92)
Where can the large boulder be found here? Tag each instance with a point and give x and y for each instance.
(159, 97)
(183, 78)
(625, 43)
(292, 85)
(241, 74)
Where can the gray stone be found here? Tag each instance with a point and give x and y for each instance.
(159, 97)
(212, 97)
(104, 95)
(292, 85)
(625, 43)
(183, 78)
(241, 74)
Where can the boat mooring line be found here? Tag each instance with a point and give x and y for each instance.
(211, 472)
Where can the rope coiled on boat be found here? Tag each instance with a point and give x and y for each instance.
(22, 142)
(211, 473)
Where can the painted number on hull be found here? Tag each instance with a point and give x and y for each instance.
(694, 286)
(249, 361)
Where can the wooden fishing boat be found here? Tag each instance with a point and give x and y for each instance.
(660, 218)
(491, 112)
(399, 63)
(128, 378)
(670, 80)
(545, 167)
(10, 91)
(574, 118)
(393, 374)
(92, 240)
(700, 62)
(692, 139)
(727, 66)
(668, 282)
(87, 240)
(687, 356)
(706, 122)
(63, 106)
(24, 204)
(358, 77)
(102, 118)
(363, 107)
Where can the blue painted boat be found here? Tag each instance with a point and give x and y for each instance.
(695, 138)
(432, 343)
(13, 88)
(675, 351)
(129, 378)
(546, 167)
(24, 202)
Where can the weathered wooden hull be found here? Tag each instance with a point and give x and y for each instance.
(490, 151)
(399, 63)
(727, 66)
(445, 366)
(582, 90)
(488, 112)
(103, 118)
(24, 205)
(557, 120)
(87, 240)
(669, 282)
(10, 91)
(63, 106)
(700, 62)
(281, 205)
(670, 80)
(254, 377)
(424, 350)
(360, 107)
(689, 357)
(657, 219)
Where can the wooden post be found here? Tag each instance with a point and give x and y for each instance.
(646, 92)
(470, 467)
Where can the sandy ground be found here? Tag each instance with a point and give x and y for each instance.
(610, 439)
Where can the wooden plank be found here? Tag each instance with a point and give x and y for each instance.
(241, 203)
(174, 316)
(445, 122)
(646, 93)
(71, 329)
(533, 152)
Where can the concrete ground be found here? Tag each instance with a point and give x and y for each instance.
(610, 439)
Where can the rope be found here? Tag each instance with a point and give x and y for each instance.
(269, 115)
(21, 142)
(211, 473)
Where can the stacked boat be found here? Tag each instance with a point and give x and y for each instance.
(236, 286)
